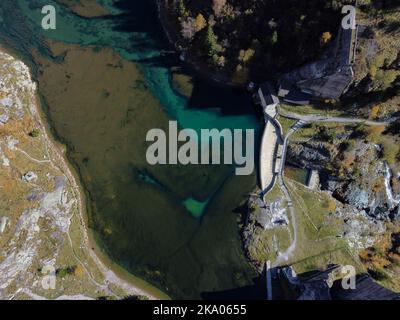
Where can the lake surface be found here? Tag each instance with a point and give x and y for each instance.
(104, 82)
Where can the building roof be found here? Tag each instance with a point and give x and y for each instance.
(284, 88)
(331, 86)
(285, 85)
(365, 289)
(268, 94)
(296, 96)
(315, 285)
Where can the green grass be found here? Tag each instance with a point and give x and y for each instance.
(323, 109)
(265, 250)
(310, 131)
(339, 254)
(312, 206)
(274, 193)
(286, 123)
(317, 244)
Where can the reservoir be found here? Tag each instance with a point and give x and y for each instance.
(105, 80)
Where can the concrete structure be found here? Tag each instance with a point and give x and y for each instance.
(271, 139)
(278, 165)
(267, 156)
(327, 78)
(313, 180)
(268, 99)
(298, 97)
(284, 88)
(289, 93)
(279, 152)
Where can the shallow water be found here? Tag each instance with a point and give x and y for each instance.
(104, 82)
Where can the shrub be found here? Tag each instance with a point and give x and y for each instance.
(200, 22)
(188, 28)
(34, 133)
(218, 6)
(62, 272)
(246, 55)
(390, 149)
(374, 133)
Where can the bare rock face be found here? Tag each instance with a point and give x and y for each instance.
(30, 176)
(365, 188)
(313, 155)
(355, 185)
(262, 216)
(360, 229)
(356, 196)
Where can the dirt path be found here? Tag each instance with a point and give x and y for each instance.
(284, 257)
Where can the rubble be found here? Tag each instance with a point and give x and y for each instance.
(4, 222)
(29, 177)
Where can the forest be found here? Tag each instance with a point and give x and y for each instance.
(257, 39)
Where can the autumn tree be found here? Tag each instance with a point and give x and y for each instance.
(200, 22)
(188, 28)
(390, 149)
(218, 6)
(181, 8)
(374, 133)
(375, 112)
(220, 61)
(348, 160)
(329, 204)
(326, 37)
(211, 42)
(274, 37)
(246, 55)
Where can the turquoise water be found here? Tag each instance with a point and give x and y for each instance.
(195, 207)
(98, 32)
(174, 226)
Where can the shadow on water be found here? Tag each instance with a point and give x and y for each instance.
(256, 291)
(230, 101)
(129, 21)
